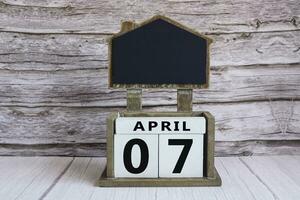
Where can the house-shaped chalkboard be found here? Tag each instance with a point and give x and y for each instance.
(159, 53)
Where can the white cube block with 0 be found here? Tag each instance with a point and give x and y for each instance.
(136, 156)
(152, 147)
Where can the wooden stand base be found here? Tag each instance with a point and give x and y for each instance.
(158, 182)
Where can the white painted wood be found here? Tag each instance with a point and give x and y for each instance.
(160, 125)
(169, 155)
(289, 166)
(237, 183)
(29, 177)
(274, 176)
(79, 182)
(137, 153)
(44, 179)
(258, 178)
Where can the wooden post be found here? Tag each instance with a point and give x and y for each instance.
(134, 99)
(185, 100)
(134, 96)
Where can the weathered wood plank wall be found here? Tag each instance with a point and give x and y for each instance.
(53, 73)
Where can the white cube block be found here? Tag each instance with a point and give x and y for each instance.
(136, 156)
(181, 155)
(160, 125)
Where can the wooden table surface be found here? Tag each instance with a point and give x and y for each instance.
(273, 177)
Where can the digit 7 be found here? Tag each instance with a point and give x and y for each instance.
(187, 143)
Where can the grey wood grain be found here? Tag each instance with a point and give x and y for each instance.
(53, 73)
(88, 87)
(242, 127)
(64, 51)
(257, 147)
(79, 16)
(223, 148)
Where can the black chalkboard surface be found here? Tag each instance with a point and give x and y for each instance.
(158, 54)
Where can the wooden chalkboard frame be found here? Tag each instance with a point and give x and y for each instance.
(173, 86)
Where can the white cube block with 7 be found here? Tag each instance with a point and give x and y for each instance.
(181, 155)
(136, 156)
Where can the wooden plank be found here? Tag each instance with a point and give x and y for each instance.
(78, 182)
(241, 128)
(55, 149)
(78, 16)
(52, 52)
(86, 88)
(289, 166)
(239, 182)
(273, 176)
(255, 48)
(234, 122)
(61, 125)
(65, 52)
(52, 178)
(257, 147)
(223, 148)
(234, 186)
(29, 177)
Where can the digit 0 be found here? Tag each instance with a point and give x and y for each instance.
(128, 152)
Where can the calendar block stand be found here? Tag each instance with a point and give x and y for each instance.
(211, 176)
(159, 53)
